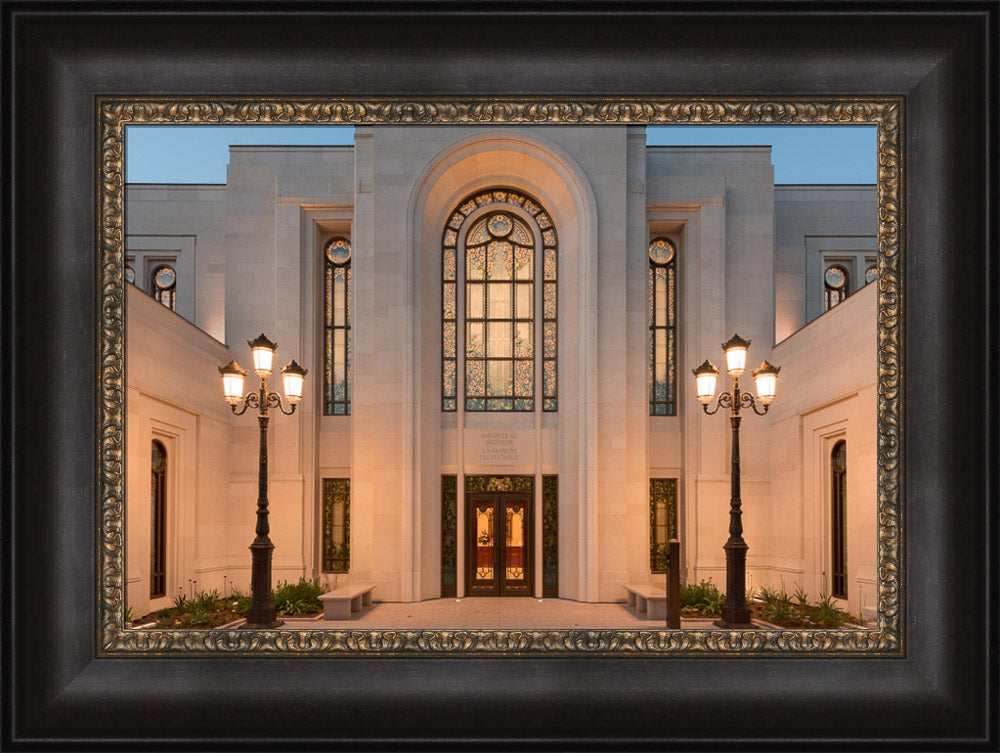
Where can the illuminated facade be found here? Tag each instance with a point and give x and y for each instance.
(500, 327)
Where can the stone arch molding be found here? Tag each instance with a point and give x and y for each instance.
(533, 164)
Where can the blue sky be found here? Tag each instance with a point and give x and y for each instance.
(801, 154)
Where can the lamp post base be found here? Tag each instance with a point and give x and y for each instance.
(261, 625)
(723, 623)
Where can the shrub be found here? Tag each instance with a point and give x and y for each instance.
(299, 598)
(703, 598)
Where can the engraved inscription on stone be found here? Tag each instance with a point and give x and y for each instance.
(498, 448)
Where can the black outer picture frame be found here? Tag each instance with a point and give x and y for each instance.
(58, 57)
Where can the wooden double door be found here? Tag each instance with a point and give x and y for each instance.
(499, 541)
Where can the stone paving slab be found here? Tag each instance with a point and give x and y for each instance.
(495, 614)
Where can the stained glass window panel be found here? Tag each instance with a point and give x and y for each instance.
(475, 342)
(549, 378)
(523, 340)
(524, 300)
(550, 264)
(662, 520)
(550, 300)
(549, 343)
(336, 525)
(448, 302)
(448, 388)
(448, 333)
(524, 378)
(550, 536)
(475, 263)
(475, 378)
(662, 315)
(499, 295)
(475, 300)
(498, 248)
(449, 535)
(500, 379)
(337, 327)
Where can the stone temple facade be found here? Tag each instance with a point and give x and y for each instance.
(500, 327)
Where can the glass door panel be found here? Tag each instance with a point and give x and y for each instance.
(498, 548)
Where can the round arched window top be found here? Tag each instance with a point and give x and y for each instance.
(338, 251)
(661, 251)
(871, 274)
(500, 225)
(159, 456)
(164, 277)
(129, 275)
(839, 456)
(835, 277)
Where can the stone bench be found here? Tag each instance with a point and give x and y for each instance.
(648, 600)
(341, 602)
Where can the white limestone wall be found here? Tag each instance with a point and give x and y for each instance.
(810, 220)
(184, 221)
(174, 395)
(717, 204)
(430, 170)
(827, 392)
(282, 204)
(391, 194)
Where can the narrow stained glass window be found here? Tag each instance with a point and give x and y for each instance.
(164, 285)
(337, 328)
(158, 518)
(336, 525)
(662, 520)
(550, 536)
(501, 256)
(838, 524)
(836, 284)
(662, 328)
(449, 535)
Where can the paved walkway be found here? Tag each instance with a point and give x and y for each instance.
(495, 614)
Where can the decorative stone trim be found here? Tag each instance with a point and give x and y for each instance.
(113, 114)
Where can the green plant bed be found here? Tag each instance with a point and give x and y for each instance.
(210, 609)
(770, 605)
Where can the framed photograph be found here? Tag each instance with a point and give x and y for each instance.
(560, 93)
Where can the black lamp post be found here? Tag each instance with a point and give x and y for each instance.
(735, 612)
(262, 613)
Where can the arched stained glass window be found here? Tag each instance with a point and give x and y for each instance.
(838, 523)
(836, 283)
(164, 285)
(662, 327)
(337, 328)
(497, 244)
(158, 522)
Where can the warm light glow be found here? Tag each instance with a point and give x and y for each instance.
(705, 377)
(294, 377)
(766, 376)
(232, 381)
(263, 355)
(736, 355)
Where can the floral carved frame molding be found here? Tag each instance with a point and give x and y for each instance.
(114, 114)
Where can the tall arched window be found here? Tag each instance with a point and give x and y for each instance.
(838, 523)
(662, 328)
(164, 285)
(836, 284)
(337, 328)
(158, 522)
(496, 244)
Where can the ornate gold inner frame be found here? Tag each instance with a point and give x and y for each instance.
(114, 114)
